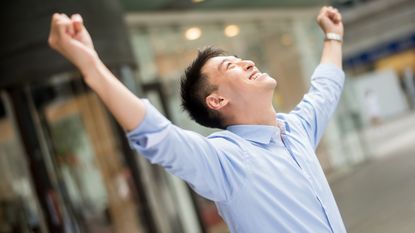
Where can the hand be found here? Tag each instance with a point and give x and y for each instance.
(330, 20)
(69, 37)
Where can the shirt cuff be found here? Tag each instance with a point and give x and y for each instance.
(329, 71)
(150, 130)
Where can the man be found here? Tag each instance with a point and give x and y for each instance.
(261, 170)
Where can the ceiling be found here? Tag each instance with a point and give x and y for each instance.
(166, 5)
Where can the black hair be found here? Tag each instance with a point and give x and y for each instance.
(195, 87)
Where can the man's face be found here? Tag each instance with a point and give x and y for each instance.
(239, 81)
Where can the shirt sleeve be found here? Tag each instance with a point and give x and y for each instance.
(318, 105)
(190, 156)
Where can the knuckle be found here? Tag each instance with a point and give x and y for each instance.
(61, 23)
(52, 40)
(52, 44)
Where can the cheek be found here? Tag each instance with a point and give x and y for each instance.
(242, 91)
(232, 90)
(234, 86)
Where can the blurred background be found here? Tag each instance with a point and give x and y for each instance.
(65, 165)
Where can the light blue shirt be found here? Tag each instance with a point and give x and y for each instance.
(262, 178)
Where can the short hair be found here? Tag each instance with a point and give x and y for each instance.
(195, 87)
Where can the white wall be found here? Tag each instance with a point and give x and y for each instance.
(385, 86)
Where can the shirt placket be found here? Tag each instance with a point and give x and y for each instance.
(307, 176)
(286, 145)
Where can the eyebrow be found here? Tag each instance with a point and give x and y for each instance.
(225, 60)
(221, 63)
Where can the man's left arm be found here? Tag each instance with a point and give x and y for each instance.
(330, 22)
(318, 105)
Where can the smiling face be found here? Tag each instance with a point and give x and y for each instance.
(240, 84)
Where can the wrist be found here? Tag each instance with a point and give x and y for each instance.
(87, 62)
(333, 43)
(91, 70)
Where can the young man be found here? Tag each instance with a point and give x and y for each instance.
(261, 170)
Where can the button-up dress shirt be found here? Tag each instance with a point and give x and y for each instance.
(262, 178)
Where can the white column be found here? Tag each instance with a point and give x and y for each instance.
(187, 211)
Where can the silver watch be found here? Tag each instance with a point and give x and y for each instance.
(333, 36)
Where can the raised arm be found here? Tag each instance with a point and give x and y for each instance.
(330, 21)
(318, 105)
(70, 38)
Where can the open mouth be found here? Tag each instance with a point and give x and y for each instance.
(255, 75)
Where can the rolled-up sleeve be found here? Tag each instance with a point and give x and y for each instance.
(318, 105)
(183, 153)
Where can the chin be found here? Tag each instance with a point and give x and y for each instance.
(272, 83)
(271, 79)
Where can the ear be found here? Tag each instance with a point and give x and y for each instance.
(215, 101)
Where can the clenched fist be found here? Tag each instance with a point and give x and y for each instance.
(70, 38)
(330, 20)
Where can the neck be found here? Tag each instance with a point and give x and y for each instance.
(253, 115)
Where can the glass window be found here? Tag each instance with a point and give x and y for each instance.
(94, 182)
(19, 210)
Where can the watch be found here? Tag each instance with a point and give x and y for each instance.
(333, 36)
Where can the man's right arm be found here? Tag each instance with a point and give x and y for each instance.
(69, 37)
(127, 108)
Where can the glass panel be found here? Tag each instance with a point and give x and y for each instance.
(168, 195)
(19, 210)
(94, 182)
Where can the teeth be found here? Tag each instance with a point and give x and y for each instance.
(255, 76)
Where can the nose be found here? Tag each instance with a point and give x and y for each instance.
(247, 64)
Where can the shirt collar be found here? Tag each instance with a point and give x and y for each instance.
(256, 133)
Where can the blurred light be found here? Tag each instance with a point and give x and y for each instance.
(231, 30)
(197, 1)
(193, 33)
(286, 40)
